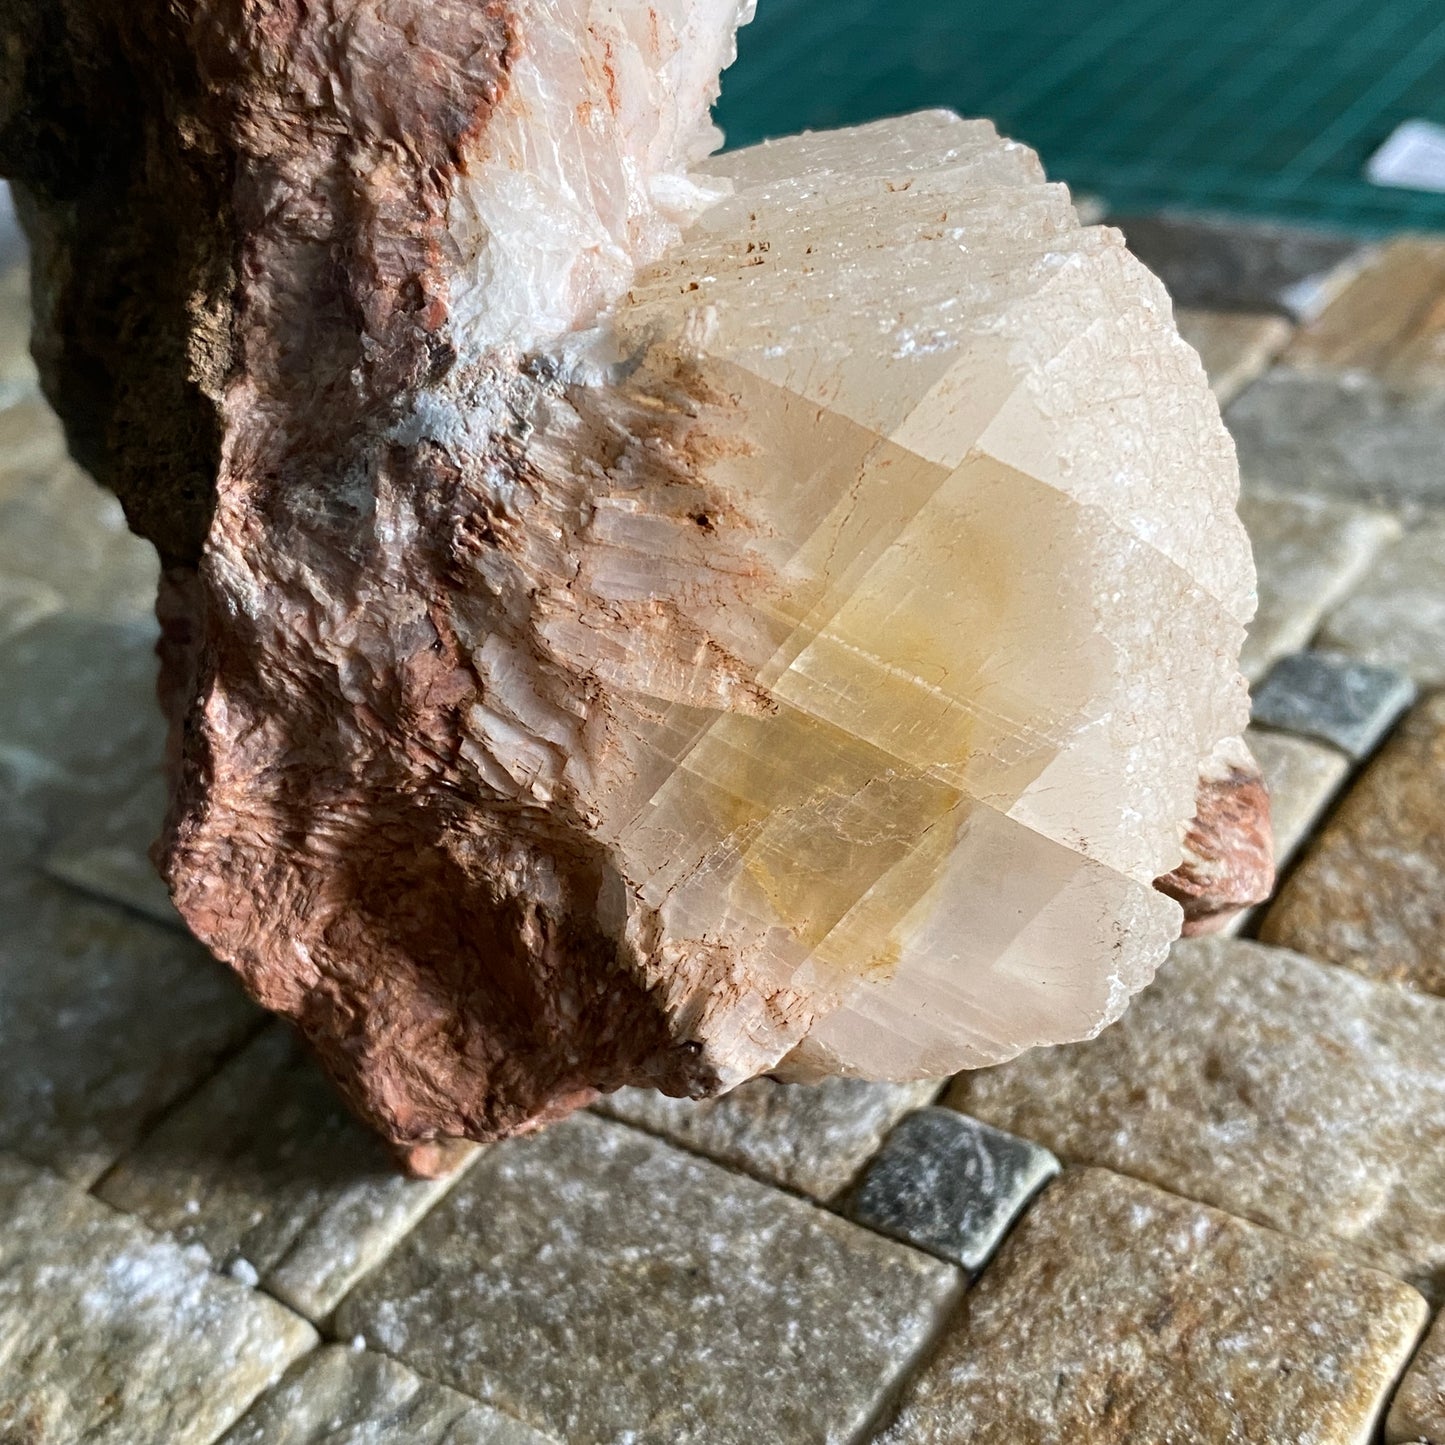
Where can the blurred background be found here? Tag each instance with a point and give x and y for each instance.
(1271, 108)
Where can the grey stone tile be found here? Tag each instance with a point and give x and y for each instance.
(810, 1137)
(106, 851)
(105, 1020)
(267, 1172)
(600, 1284)
(1397, 617)
(1309, 552)
(1223, 264)
(113, 1337)
(1351, 705)
(1234, 346)
(1116, 1314)
(1352, 436)
(951, 1185)
(1286, 1091)
(78, 722)
(341, 1396)
(1370, 892)
(1303, 778)
(1418, 1410)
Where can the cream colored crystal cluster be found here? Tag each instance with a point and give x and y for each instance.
(965, 589)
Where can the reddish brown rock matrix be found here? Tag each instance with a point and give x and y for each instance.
(1229, 847)
(243, 276)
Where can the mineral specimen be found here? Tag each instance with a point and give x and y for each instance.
(628, 618)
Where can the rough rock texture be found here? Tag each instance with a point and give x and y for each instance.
(111, 1336)
(1370, 892)
(594, 656)
(1119, 1315)
(614, 1288)
(1283, 1090)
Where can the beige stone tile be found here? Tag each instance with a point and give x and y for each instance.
(1396, 617)
(1418, 1410)
(17, 370)
(1116, 1314)
(111, 1336)
(600, 1284)
(105, 1020)
(1303, 777)
(1309, 552)
(810, 1137)
(32, 445)
(1389, 308)
(341, 1396)
(22, 602)
(265, 1170)
(1282, 1090)
(1235, 346)
(59, 528)
(105, 850)
(1370, 892)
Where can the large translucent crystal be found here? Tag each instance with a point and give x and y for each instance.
(649, 620)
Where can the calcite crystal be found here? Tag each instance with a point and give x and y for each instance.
(629, 618)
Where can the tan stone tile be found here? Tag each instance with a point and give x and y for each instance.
(1370, 892)
(341, 1396)
(1283, 1090)
(1383, 312)
(1396, 617)
(1309, 551)
(1418, 1410)
(810, 1137)
(1116, 1314)
(1234, 346)
(114, 1337)
(1303, 778)
(265, 1170)
(105, 1020)
(105, 850)
(600, 1284)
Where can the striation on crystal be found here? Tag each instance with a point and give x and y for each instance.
(764, 614)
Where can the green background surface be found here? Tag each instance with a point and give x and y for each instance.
(1270, 108)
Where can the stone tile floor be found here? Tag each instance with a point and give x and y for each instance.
(1223, 1220)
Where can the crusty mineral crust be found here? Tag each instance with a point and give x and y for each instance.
(417, 697)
